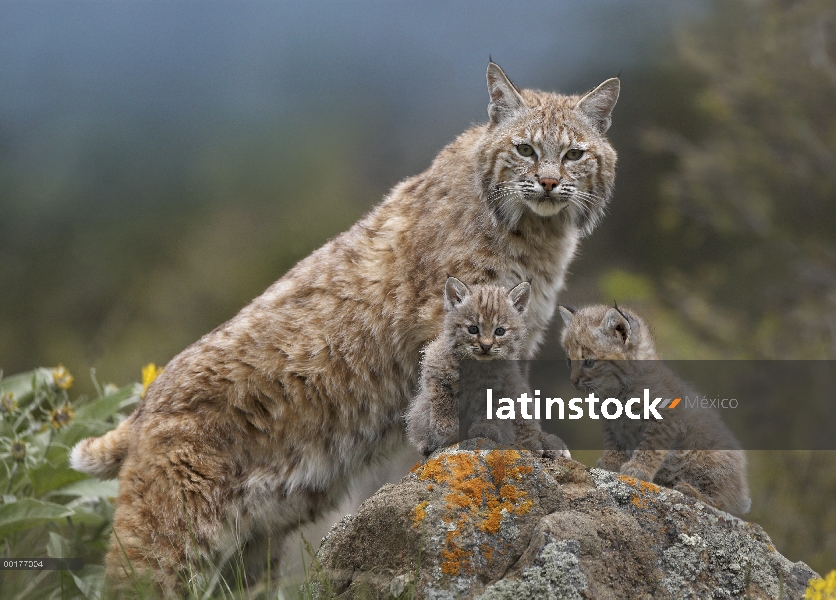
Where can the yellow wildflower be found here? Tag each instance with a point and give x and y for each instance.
(149, 373)
(62, 378)
(8, 402)
(61, 416)
(822, 589)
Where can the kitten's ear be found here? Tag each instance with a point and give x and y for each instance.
(597, 105)
(520, 296)
(454, 293)
(567, 313)
(505, 97)
(617, 323)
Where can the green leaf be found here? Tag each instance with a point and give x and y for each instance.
(57, 546)
(105, 406)
(89, 488)
(47, 478)
(84, 516)
(27, 513)
(90, 581)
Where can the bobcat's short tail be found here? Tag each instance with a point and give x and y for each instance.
(103, 456)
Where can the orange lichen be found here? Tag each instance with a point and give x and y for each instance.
(484, 491)
(487, 553)
(493, 520)
(447, 468)
(511, 492)
(468, 493)
(419, 513)
(649, 487)
(628, 480)
(430, 487)
(524, 507)
(642, 485)
(452, 563)
(434, 469)
(638, 502)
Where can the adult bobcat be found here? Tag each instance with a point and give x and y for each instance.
(260, 425)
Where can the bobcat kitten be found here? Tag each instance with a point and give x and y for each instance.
(261, 424)
(481, 323)
(611, 353)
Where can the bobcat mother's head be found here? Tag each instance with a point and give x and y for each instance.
(547, 154)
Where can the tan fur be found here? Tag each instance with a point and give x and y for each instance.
(689, 450)
(433, 416)
(260, 425)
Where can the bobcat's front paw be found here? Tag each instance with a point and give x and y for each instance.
(631, 469)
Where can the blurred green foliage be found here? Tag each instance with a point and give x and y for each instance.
(48, 509)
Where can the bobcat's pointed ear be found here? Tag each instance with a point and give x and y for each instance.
(454, 293)
(505, 97)
(520, 296)
(567, 313)
(617, 323)
(597, 105)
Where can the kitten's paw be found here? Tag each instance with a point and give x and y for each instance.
(608, 464)
(631, 469)
(486, 430)
(553, 446)
(689, 490)
(446, 429)
(423, 446)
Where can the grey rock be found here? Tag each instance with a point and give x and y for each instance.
(474, 521)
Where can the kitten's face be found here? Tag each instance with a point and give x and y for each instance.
(547, 154)
(601, 343)
(485, 323)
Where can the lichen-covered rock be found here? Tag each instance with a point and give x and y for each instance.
(475, 521)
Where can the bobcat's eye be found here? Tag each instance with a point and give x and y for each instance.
(473, 329)
(499, 331)
(573, 154)
(525, 150)
(589, 362)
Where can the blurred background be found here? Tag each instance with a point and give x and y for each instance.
(161, 163)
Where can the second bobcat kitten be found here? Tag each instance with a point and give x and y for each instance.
(612, 354)
(481, 323)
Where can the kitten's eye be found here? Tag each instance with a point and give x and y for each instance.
(589, 362)
(473, 329)
(525, 150)
(499, 331)
(574, 154)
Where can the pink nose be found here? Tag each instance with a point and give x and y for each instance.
(548, 183)
(485, 347)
